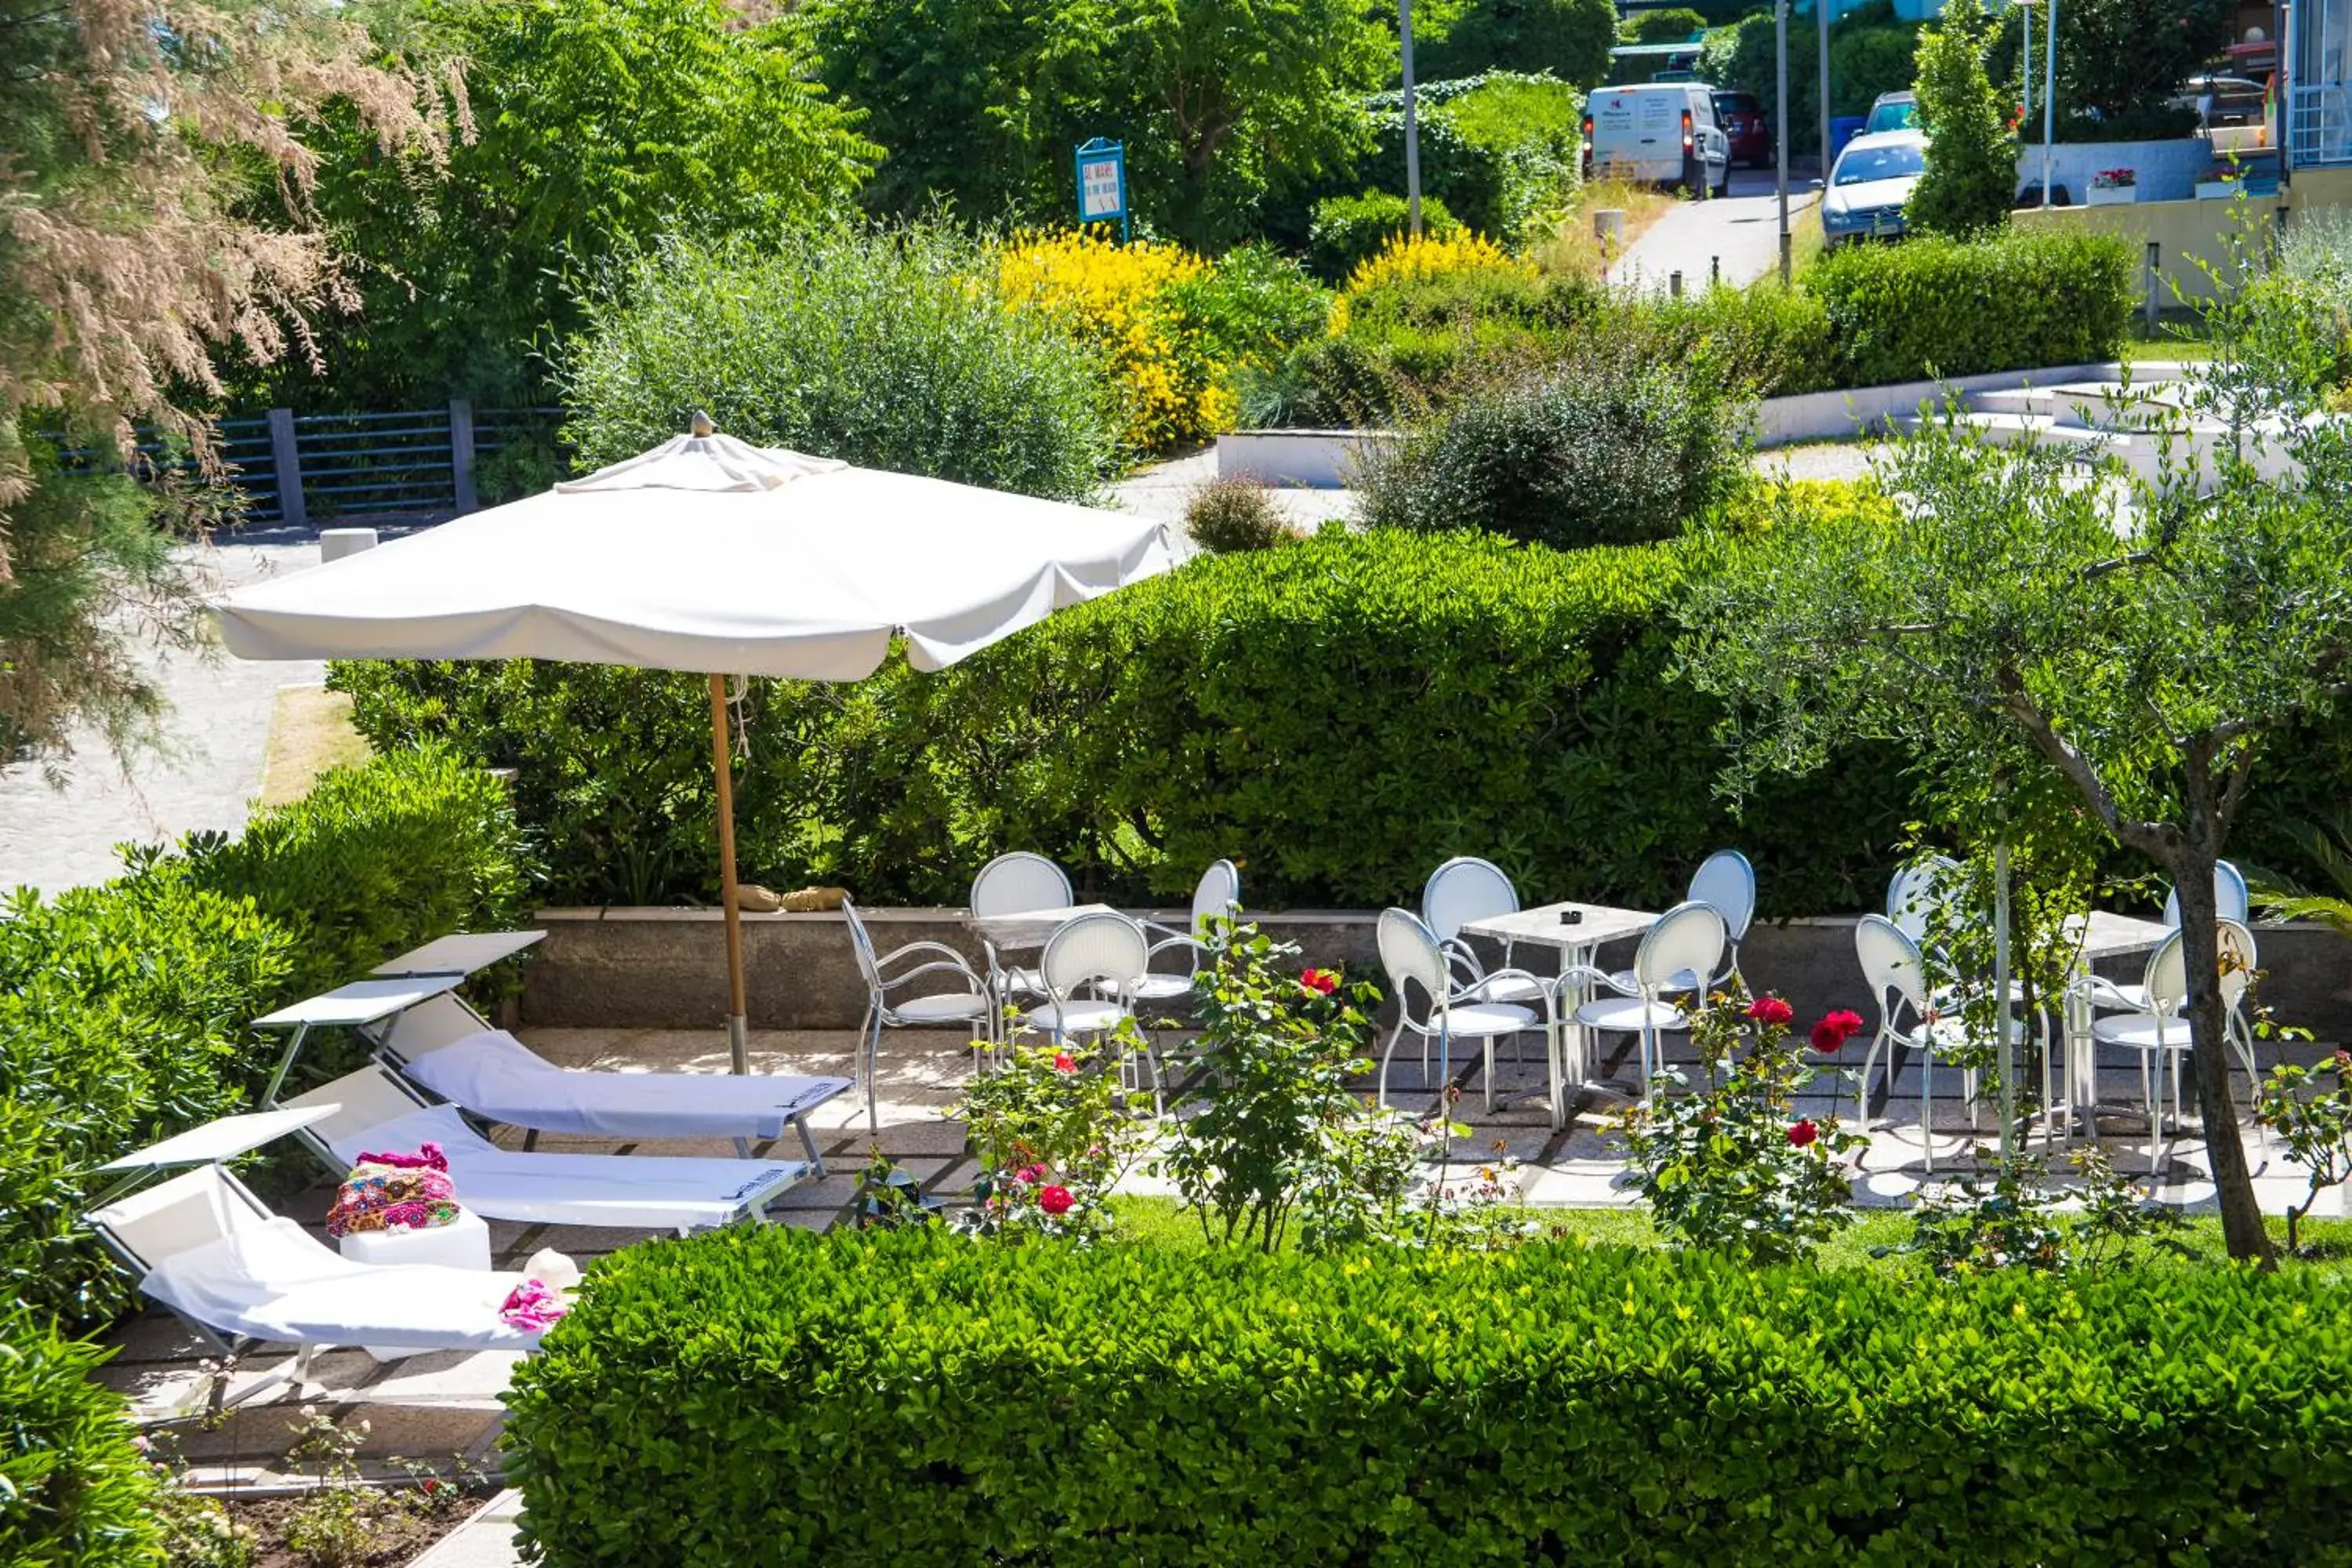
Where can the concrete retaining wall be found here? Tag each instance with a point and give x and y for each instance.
(635, 968)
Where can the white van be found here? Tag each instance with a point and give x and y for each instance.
(1661, 132)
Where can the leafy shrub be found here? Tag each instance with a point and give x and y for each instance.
(75, 1492)
(1731, 1164)
(378, 858)
(1498, 148)
(1250, 305)
(1547, 1403)
(1971, 175)
(870, 345)
(1232, 513)
(1607, 452)
(1766, 339)
(1349, 231)
(1053, 1137)
(2311, 1110)
(1339, 715)
(1761, 504)
(1670, 25)
(124, 1014)
(2019, 1222)
(1935, 306)
(1569, 39)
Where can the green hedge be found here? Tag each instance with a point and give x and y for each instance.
(74, 1491)
(125, 1009)
(1933, 307)
(914, 1399)
(1337, 715)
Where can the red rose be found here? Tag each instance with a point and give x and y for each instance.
(1771, 1010)
(1054, 1200)
(1062, 1062)
(1803, 1132)
(1322, 981)
(1833, 1032)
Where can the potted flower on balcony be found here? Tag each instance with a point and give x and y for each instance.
(2110, 187)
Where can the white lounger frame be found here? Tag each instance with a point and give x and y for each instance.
(374, 1095)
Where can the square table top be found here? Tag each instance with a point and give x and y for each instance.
(1541, 925)
(2112, 935)
(1032, 928)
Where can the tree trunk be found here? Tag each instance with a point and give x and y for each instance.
(2241, 1217)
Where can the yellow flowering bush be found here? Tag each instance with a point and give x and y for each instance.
(1119, 300)
(1405, 261)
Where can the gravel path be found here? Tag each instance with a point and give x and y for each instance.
(216, 737)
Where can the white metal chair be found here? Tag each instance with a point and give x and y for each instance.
(1463, 889)
(968, 1004)
(1216, 896)
(1412, 956)
(1916, 890)
(2158, 1028)
(1017, 883)
(1896, 973)
(1726, 882)
(1103, 953)
(2231, 902)
(1688, 941)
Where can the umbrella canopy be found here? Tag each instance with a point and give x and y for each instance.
(710, 555)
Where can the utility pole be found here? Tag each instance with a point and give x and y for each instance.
(2049, 101)
(1780, 115)
(1822, 11)
(1411, 126)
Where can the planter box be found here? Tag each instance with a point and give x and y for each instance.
(2209, 191)
(2111, 196)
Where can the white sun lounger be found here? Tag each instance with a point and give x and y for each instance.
(371, 1109)
(204, 1247)
(409, 1018)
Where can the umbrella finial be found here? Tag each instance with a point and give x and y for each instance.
(700, 423)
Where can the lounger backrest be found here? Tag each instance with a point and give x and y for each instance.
(191, 1210)
(364, 1100)
(438, 1021)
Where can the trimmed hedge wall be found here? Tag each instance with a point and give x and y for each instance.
(1337, 715)
(762, 1396)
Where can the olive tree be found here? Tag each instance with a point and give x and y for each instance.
(2149, 640)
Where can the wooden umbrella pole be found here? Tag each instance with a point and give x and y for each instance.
(738, 1044)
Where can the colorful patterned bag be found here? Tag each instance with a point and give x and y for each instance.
(395, 1192)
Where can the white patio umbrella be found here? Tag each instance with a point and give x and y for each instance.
(710, 555)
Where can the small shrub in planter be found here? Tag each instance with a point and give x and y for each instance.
(1231, 513)
(1614, 451)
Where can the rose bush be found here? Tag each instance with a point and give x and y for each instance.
(1732, 1165)
(1052, 1139)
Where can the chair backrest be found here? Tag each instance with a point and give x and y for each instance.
(1728, 882)
(193, 1209)
(1218, 893)
(2232, 900)
(1891, 964)
(364, 1101)
(861, 944)
(436, 1022)
(1104, 949)
(2167, 978)
(1916, 890)
(1019, 882)
(1687, 940)
(1465, 888)
(1409, 953)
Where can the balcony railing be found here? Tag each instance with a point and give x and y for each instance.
(2319, 124)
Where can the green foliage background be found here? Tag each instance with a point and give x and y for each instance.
(74, 1492)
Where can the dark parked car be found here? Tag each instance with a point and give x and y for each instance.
(1742, 119)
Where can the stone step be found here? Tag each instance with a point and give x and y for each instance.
(2091, 404)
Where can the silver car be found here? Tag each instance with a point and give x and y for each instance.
(1869, 183)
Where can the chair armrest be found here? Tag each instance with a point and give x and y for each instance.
(1586, 973)
(1476, 991)
(957, 966)
(1176, 940)
(888, 959)
(2099, 991)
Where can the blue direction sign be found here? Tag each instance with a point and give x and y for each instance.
(1102, 183)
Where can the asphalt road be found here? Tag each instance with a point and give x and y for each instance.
(1740, 231)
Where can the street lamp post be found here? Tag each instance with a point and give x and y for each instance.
(2048, 99)
(1412, 127)
(1780, 115)
(1821, 13)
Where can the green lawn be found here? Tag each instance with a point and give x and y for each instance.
(1163, 1222)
